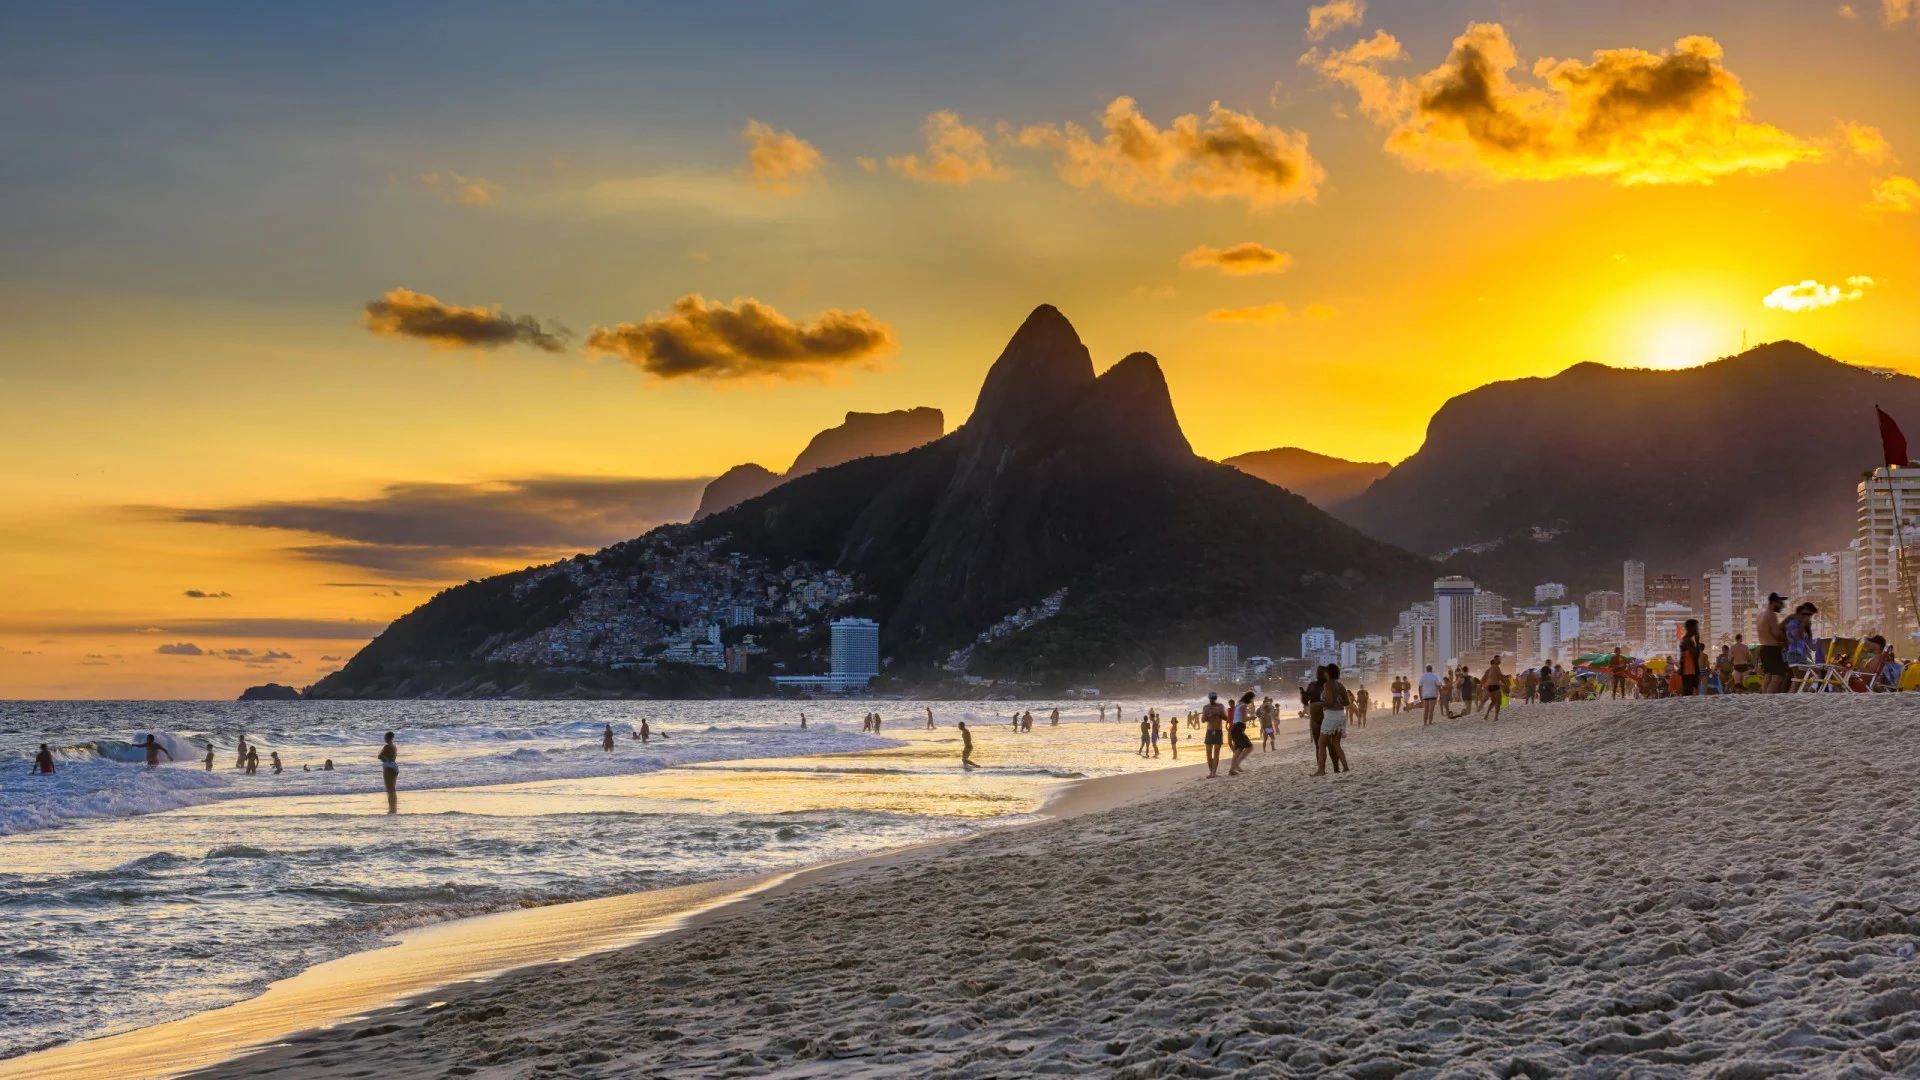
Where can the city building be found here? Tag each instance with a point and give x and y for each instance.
(1816, 579)
(740, 615)
(1883, 597)
(1848, 584)
(1551, 590)
(1319, 645)
(1728, 596)
(1670, 589)
(1603, 600)
(1412, 645)
(1665, 623)
(1453, 617)
(856, 651)
(1633, 584)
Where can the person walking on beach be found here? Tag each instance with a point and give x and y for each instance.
(1054, 720)
(1723, 667)
(1214, 716)
(1237, 733)
(390, 773)
(1742, 659)
(1799, 631)
(1446, 695)
(43, 762)
(1546, 687)
(1334, 700)
(1773, 645)
(966, 747)
(929, 718)
(1429, 695)
(606, 739)
(1155, 718)
(1692, 659)
(1316, 711)
(1173, 737)
(1269, 716)
(154, 750)
(1361, 702)
(1494, 685)
(1145, 734)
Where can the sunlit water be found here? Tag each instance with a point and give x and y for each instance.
(131, 895)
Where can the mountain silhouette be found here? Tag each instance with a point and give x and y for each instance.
(1562, 478)
(861, 435)
(1061, 479)
(1324, 481)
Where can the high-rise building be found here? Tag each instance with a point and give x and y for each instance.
(1815, 579)
(1635, 623)
(856, 652)
(1223, 661)
(1670, 589)
(1633, 583)
(1729, 596)
(1319, 645)
(1453, 617)
(1551, 590)
(1883, 599)
(1602, 600)
(1664, 624)
(1847, 587)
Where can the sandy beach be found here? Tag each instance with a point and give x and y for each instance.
(1716, 888)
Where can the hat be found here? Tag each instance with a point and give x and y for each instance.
(1771, 597)
(1212, 696)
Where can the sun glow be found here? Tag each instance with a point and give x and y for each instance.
(1682, 344)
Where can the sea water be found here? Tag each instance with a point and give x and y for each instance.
(131, 895)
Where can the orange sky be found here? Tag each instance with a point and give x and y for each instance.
(316, 328)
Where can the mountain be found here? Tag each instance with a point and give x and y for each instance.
(861, 435)
(1324, 481)
(1067, 531)
(1562, 478)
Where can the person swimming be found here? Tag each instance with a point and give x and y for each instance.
(43, 762)
(328, 767)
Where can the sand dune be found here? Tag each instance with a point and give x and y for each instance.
(1713, 888)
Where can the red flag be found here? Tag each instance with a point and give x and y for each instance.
(1892, 442)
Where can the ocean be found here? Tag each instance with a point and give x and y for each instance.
(133, 895)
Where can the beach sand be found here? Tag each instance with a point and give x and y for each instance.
(1716, 887)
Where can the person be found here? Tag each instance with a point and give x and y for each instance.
(390, 772)
(1268, 715)
(966, 747)
(1464, 688)
(1316, 711)
(1429, 695)
(1529, 682)
(1103, 714)
(253, 760)
(606, 739)
(1742, 659)
(1155, 718)
(240, 752)
(154, 750)
(1799, 633)
(1399, 692)
(1693, 658)
(1361, 702)
(275, 755)
(1617, 672)
(1145, 734)
(1214, 716)
(1772, 639)
(929, 718)
(1054, 720)
(1173, 737)
(1446, 694)
(43, 762)
(1026, 721)
(1334, 700)
(209, 755)
(1495, 684)
(1546, 687)
(1237, 733)
(1723, 669)
(646, 732)
(803, 724)
(328, 767)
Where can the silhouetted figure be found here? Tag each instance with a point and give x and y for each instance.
(390, 773)
(154, 750)
(43, 762)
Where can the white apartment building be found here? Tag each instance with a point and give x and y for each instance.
(1551, 590)
(1881, 593)
(1816, 579)
(1728, 598)
(1223, 661)
(1319, 645)
(856, 651)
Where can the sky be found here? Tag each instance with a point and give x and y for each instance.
(310, 311)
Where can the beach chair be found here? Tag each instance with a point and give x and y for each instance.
(1864, 675)
(1909, 678)
(1827, 671)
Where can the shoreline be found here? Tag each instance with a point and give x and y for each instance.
(411, 966)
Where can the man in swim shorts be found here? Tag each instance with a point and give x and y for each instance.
(1214, 716)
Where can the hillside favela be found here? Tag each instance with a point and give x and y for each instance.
(736, 540)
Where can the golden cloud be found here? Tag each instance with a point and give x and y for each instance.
(1247, 258)
(1865, 142)
(1810, 295)
(405, 313)
(780, 161)
(451, 187)
(1262, 314)
(1896, 195)
(956, 154)
(1229, 155)
(1324, 19)
(1629, 115)
(707, 339)
(1895, 12)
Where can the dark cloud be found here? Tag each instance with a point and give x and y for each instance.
(196, 594)
(181, 648)
(331, 659)
(405, 313)
(706, 339)
(267, 628)
(441, 532)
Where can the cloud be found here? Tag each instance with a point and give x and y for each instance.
(331, 659)
(780, 161)
(451, 187)
(1229, 155)
(1260, 314)
(1864, 142)
(1240, 259)
(1846, 11)
(405, 313)
(1895, 195)
(1810, 295)
(1324, 19)
(446, 531)
(1895, 12)
(1630, 116)
(956, 154)
(196, 594)
(707, 339)
(181, 648)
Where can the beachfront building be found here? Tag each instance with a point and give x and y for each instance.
(1729, 597)
(1815, 578)
(1319, 645)
(1603, 600)
(1847, 583)
(1364, 658)
(856, 651)
(1453, 617)
(1633, 583)
(1882, 595)
(1670, 589)
(1412, 645)
(1666, 621)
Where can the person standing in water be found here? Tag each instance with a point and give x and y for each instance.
(606, 739)
(275, 755)
(253, 760)
(390, 772)
(1145, 734)
(1173, 737)
(154, 750)
(240, 752)
(1055, 721)
(646, 730)
(209, 755)
(966, 747)
(43, 762)
(803, 721)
